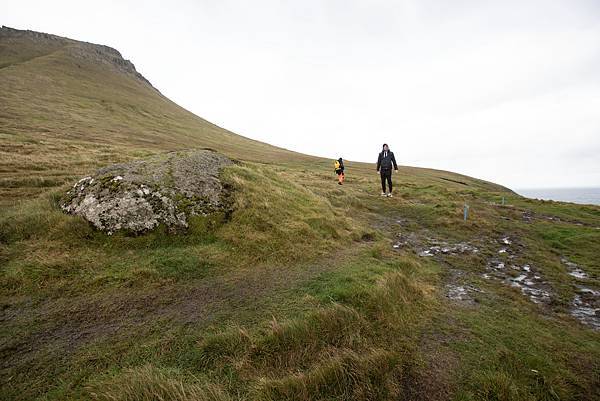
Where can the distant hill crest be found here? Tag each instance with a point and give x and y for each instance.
(95, 53)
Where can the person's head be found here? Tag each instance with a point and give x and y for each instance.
(386, 147)
(340, 159)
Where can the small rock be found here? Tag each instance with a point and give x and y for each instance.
(588, 291)
(425, 253)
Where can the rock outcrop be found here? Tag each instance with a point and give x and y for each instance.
(140, 195)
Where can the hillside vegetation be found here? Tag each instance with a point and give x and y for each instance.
(308, 291)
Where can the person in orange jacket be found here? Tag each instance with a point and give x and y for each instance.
(338, 167)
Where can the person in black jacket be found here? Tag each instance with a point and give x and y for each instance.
(384, 167)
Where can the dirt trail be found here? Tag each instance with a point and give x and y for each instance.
(69, 324)
(506, 262)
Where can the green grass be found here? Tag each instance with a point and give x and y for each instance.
(297, 295)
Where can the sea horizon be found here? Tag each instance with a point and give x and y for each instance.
(579, 195)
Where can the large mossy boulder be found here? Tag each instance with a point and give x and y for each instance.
(139, 196)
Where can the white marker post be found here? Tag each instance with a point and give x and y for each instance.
(466, 212)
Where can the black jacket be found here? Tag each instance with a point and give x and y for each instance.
(385, 162)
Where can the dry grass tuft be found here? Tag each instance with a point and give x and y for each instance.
(147, 383)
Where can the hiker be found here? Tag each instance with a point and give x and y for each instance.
(384, 166)
(338, 167)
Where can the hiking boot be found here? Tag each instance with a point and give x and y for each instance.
(389, 195)
(383, 194)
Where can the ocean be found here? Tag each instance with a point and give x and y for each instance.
(585, 196)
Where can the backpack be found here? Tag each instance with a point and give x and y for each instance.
(336, 165)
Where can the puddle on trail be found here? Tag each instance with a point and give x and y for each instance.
(405, 240)
(461, 292)
(528, 281)
(442, 247)
(574, 269)
(586, 303)
(503, 267)
(527, 216)
(457, 292)
(527, 278)
(586, 307)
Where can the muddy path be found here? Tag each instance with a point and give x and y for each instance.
(504, 260)
(59, 328)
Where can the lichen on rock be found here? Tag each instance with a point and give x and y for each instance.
(140, 195)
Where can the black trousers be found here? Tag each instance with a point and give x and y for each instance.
(386, 175)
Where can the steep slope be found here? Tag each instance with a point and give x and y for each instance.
(66, 105)
(99, 97)
(306, 291)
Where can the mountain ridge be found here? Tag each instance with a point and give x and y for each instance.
(103, 52)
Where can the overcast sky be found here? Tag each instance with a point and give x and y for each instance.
(507, 91)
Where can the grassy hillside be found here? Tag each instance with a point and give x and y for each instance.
(310, 291)
(68, 105)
